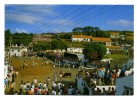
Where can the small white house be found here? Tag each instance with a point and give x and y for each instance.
(110, 48)
(123, 37)
(17, 50)
(75, 50)
(114, 35)
(80, 38)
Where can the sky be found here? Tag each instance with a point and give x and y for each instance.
(63, 18)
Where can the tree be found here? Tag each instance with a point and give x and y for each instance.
(58, 44)
(88, 30)
(77, 29)
(94, 51)
(8, 36)
(17, 38)
(41, 46)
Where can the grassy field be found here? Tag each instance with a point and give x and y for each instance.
(118, 59)
(40, 72)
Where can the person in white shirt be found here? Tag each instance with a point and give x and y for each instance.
(59, 85)
(59, 93)
(24, 86)
(39, 91)
(54, 85)
(53, 92)
(35, 81)
(28, 84)
(44, 85)
(40, 85)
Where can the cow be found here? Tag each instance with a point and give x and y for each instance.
(66, 74)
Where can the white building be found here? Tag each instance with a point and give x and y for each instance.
(75, 50)
(17, 50)
(123, 37)
(80, 38)
(112, 48)
(114, 35)
(124, 85)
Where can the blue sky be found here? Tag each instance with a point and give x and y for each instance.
(63, 18)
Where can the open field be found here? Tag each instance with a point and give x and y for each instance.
(40, 72)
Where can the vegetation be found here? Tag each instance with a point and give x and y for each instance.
(17, 38)
(92, 31)
(41, 46)
(94, 51)
(8, 36)
(58, 44)
(63, 40)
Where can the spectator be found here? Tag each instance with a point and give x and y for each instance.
(35, 81)
(11, 88)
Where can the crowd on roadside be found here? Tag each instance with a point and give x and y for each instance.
(98, 91)
(105, 75)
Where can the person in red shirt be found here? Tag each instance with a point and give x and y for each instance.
(29, 92)
(36, 90)
(43, 91)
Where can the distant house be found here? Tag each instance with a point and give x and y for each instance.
(42, 38)
(75, 49)
(17, 50)
(123, 37)
(105, 41)
(80, 38)
(111, 48)
(114, 35)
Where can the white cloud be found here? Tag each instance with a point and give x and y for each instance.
(29, 14)
(47, 10)
(20, 30)
(120, 22)
(22, 18)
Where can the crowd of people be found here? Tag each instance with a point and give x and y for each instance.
(38, 88)
(98, 76)
(98, 91)
(35, 87)
(105, 75)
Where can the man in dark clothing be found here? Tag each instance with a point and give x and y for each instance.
(122, 71)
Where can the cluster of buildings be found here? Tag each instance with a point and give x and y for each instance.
(83, 38)
(109, 43)
(42, 38)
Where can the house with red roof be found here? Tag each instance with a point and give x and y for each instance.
(105, 41)
(80, 38)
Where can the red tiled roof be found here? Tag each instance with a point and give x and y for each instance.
(98, 39)
(114, 33)
(81, 36)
